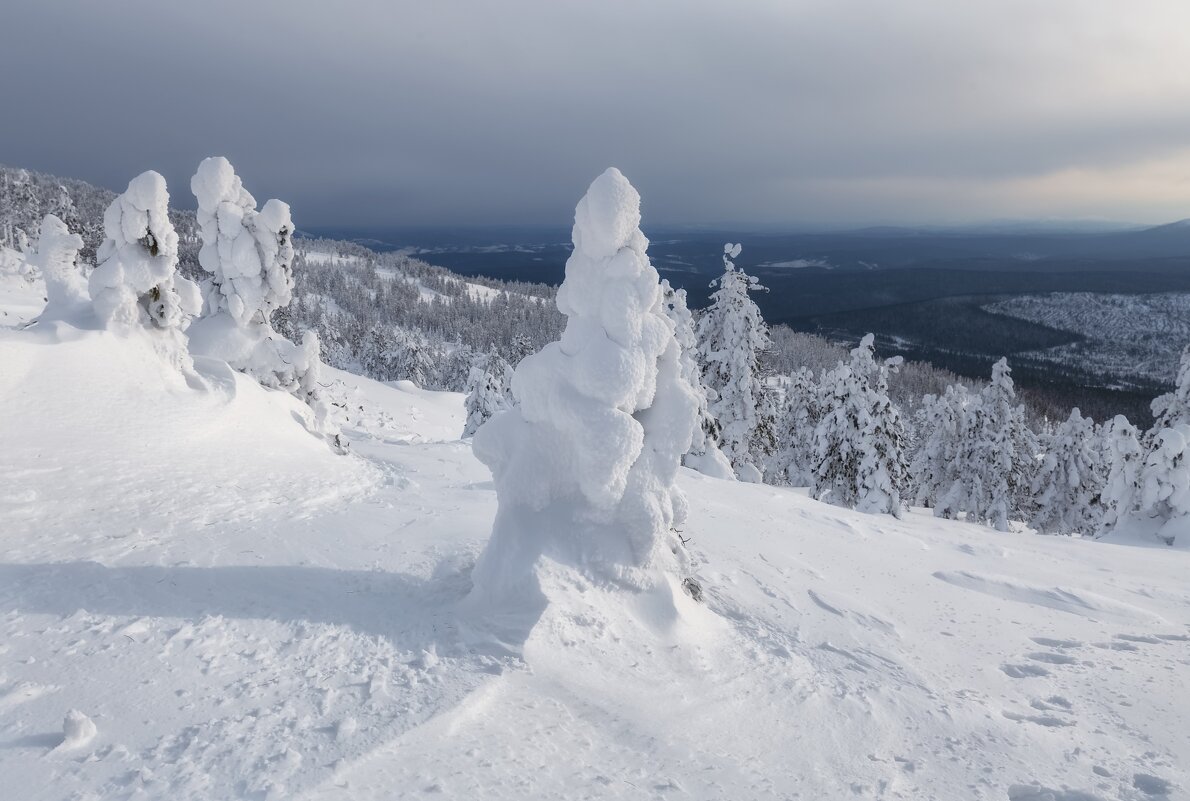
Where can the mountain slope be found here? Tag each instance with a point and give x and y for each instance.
(244, 614)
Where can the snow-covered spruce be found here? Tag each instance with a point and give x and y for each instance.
(136, 281)
(55, 259)
(1163, 499)
(489, 390)
(732, 334)
(584, 465)
(1173, 407)
(1123, 458)
(249, 254)
(859, 451)
(797, 419)
(944, 430)
(704, 454)
(1069, 482)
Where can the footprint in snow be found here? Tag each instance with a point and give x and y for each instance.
(1052, 658)
(1024, 671)
(1050, 642)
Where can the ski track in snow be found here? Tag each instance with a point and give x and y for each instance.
(245, 616)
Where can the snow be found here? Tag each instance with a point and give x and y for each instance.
(242, 613)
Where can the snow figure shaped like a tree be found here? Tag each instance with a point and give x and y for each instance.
(249, 254)
(704, 454)
(732, 334)
(1123, 457)
(136, 281)
(584, 465)
(859, 454)
(488, 388)
(65, 287)
(1069, 481)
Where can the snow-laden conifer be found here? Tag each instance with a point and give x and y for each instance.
(136, 281)
(584, 465)
(937, 462)
(797, 419)
(55, 258)
(1163, 496)
(1123, 458)
(704, 454)
(1001, 457)
(859, 452)
(732, 334)
(1067, 487)
(488, 390)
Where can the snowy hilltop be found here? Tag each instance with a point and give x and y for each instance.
(629, 561)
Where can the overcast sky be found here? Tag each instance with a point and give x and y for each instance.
(501, 111)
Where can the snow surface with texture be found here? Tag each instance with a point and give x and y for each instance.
(243, 614)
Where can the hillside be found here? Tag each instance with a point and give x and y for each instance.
(243, 614)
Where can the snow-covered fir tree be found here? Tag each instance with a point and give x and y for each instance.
(136, 281)
(1000, 469)
(56, 260)
(1123, 457)
(704, 454)
(1173, 407)
(860, 448)
(732, 335)
(943, 431)
(797, 419)
(1163, 496)
(489, 389)
(248, 254)
(1069, 480)
(585, 464)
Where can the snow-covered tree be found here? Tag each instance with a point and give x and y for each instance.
(55, 258)
(136, 281)
(1173, 407)
(732, 334)
(935, 470)
(1069, 480)
(1163, 499)
(1123, 458)
(860, 449)
(585, 463)
(704, 454)
(1004, 460)
(488, 390)
(797, 420)
(249, 254)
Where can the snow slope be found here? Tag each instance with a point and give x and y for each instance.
(243, 614)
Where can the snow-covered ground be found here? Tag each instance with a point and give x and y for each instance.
(244, 614)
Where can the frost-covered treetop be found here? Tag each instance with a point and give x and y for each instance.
(248, 253)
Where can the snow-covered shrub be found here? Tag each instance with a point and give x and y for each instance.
(584, 465)
(859, 451)
(55, 258)
(1069, 480)
(797, 418)
(1123, 457)
(704, 454)
(489, 389)
(136, 281)
(732, 334)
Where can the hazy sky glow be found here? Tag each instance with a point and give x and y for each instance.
(756, 112)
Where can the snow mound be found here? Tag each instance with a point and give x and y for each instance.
(77, 730)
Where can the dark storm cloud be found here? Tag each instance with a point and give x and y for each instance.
(442, 112)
